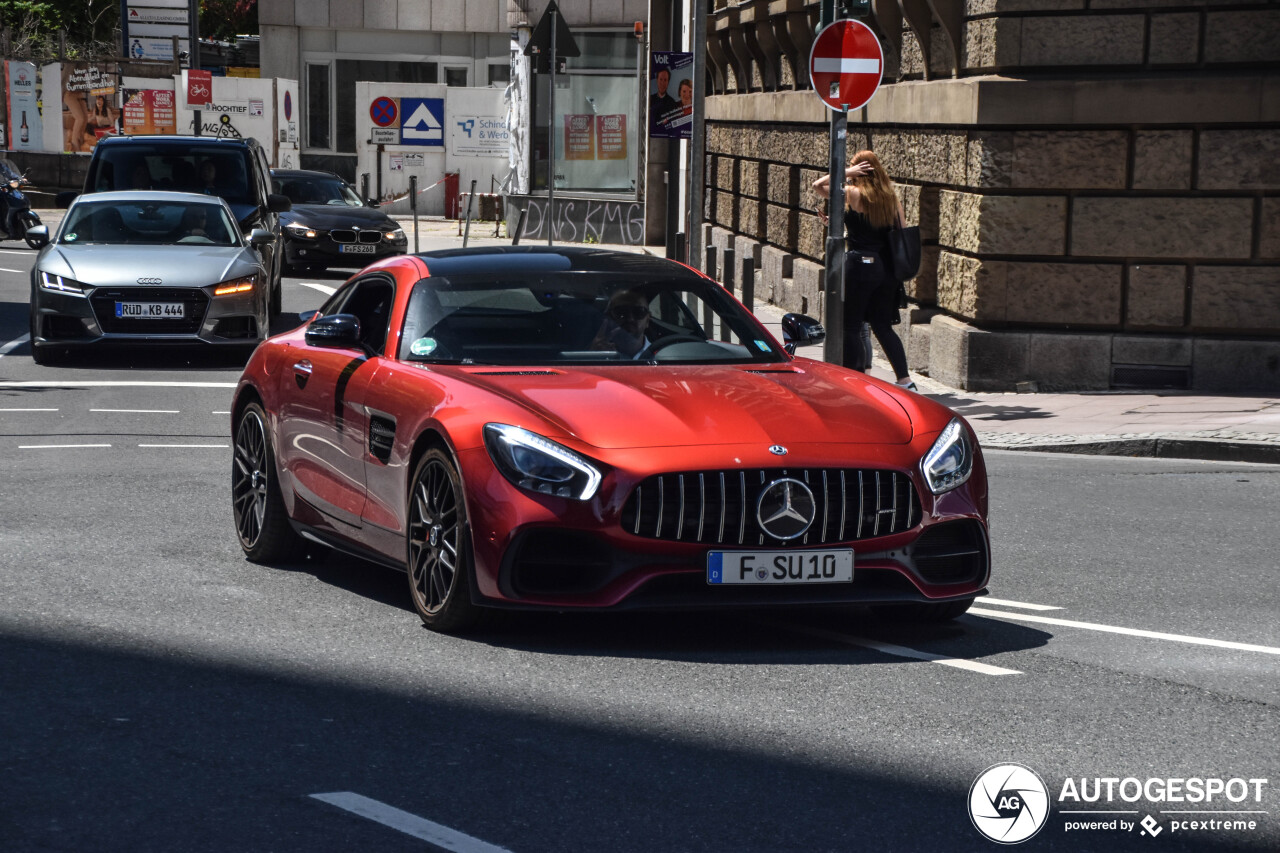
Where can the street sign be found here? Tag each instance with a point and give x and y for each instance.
(845, 65)
(199, 88)
(540, 38)
(422, 121)
(384, 135)
(383, 111)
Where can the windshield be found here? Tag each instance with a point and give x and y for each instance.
(209, 169)
(579, 318)
(149, 223)
(8, 170)
(318, 190)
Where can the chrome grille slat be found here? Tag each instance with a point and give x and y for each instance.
(887, 503)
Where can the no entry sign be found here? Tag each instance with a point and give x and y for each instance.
(845, 65)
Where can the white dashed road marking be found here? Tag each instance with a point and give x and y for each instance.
(57, 446)
(6, 269)
(138, 411)
(1132, 632)
(323, 288)
(185, 445)
(28, 410)
(901, 651)
(410, 824)
(1005, 603)
(109, 384)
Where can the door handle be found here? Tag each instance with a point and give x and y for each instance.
(301, 373)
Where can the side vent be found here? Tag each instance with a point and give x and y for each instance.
(382, 435)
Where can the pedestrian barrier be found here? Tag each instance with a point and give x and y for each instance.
(488, 208)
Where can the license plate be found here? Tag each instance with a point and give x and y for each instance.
(780, 567)
(150, 310)
(356, 248)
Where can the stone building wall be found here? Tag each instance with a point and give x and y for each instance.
(1097, 182)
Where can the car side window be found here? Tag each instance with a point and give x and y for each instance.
(369, 300)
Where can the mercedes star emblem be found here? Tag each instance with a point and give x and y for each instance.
(778, 450)
(785, 509)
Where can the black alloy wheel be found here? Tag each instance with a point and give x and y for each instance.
(261, 522)
(440, 546)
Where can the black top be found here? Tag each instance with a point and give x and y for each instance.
(861, 236)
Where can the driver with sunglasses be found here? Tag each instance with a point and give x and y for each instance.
(624, 326)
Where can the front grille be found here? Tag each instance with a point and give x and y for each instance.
(355, 235)
(104, 299)
(720, 506)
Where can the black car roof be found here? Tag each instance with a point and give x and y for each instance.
(178, 140)
(302, 173)
(505, 260)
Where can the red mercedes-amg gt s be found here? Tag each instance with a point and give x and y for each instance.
(577, 428)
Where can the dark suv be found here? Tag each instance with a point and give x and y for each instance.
(235, 169)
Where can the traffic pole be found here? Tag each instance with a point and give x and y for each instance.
(833, 290)
(413, 206)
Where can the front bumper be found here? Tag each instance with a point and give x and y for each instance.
(324, 251)
(536, 551)
(69, 320)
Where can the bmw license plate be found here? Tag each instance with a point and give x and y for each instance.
(780, 567)
(356, 248)
(150, 310)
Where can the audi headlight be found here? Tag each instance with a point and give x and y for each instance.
(61, 284)
(950, 461)
(303, 231)
(394, 236)
(540, 465)
(235, 285)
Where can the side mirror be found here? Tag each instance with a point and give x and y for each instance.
(38, 235)
(260, 237)
(63, 199)
(336, 330)
(799, 330)
(278, 203)
(368, 202)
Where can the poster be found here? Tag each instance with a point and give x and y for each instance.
(88, 104)
(23, 87)
(670, 95)
(579, 137)
(148, 111)
(611, 136)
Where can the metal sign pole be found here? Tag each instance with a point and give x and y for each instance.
(551, 138)
(833, 314)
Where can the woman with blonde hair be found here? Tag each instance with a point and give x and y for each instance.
(871, 209)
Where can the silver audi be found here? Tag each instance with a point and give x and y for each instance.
(162, 267)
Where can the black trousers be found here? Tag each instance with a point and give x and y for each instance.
(871, 297)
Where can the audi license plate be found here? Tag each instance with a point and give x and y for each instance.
(780, 567)
(150, 310)
(356, 248)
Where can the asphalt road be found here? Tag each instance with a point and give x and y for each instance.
(158, 692)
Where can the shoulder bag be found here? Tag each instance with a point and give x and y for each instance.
(904, 250)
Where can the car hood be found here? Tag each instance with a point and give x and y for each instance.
(332, 216)
(643, 406)
(175, 266)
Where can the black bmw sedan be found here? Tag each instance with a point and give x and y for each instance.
(329, 225)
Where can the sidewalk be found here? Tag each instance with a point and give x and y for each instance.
(1170, 424)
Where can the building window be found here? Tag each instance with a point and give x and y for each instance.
(318, 124)
(596, 124)
(500, 75)
(455, 76)
(349, 71)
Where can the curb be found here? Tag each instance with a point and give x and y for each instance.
(1216, 450)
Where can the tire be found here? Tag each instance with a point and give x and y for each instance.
(262, 525)
(439, 546)
(40, 354)
(923, 611)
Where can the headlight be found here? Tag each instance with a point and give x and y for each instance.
(300, 231)
(61, 284)
(394, 236)
(950, 461)
(235, 285)
(539, 465)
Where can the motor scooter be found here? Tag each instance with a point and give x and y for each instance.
(16, 216)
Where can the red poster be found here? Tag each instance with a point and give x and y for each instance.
(199, 88)
(612, 132)
(579, 140)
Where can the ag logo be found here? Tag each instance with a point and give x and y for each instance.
(1008, 803)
